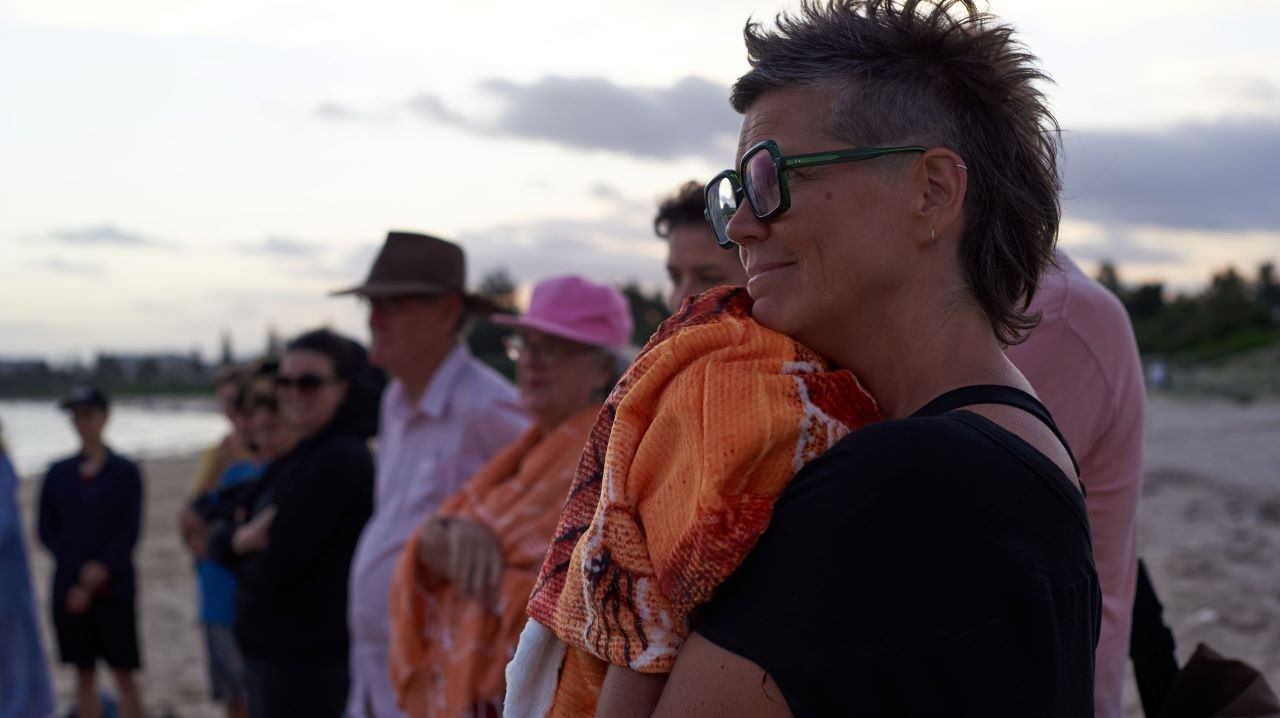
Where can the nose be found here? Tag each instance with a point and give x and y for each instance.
(744, 227)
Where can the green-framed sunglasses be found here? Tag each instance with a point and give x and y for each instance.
(762, 178)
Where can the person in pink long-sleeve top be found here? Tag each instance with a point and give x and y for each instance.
(1083, 361)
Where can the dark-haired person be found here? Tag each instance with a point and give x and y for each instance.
(90, 518)
(257, 426)
(301, 520)
(231, 448)
(895, 204)
(24, 679)
(695, 263)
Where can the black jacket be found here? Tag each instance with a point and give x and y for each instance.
(95, 519)
(292, 601)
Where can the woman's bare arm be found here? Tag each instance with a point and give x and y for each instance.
(629, 694)
(712, 682)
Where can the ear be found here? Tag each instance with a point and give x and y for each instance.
(451, 308)
(946, 180)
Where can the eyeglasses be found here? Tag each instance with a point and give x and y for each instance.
(548, 349)
(305, 383)
(762, 179)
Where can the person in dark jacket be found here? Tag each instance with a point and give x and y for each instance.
(90, 518)
(298, 528)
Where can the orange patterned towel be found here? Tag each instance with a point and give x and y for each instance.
(676, 483)
(448, 651)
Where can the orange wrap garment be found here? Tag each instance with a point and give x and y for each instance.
(448, 651)
(676, 484)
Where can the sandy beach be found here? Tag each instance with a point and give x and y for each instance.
(1210, 534)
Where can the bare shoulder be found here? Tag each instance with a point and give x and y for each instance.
(1031, 430)
(711, 681)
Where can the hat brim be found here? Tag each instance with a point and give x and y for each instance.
(392, 289)
(547, 327)
(475, 304)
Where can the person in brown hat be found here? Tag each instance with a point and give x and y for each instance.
(444, 415)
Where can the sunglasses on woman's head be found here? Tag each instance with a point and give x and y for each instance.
(762, 179)
(305, 383)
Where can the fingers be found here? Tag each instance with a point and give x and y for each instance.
(266, 516)
(494, 578)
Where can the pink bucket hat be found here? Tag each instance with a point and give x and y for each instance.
(573, 308)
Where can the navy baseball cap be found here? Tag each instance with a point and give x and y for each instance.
(84, 394)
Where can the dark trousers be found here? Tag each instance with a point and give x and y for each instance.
(288, 690)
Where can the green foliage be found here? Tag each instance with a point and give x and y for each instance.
(1231, 315)
(647, 312)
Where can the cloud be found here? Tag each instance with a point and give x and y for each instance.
(1122, 248)
(105, 234)
(689, 118)
(1212, 176)
(614, 250)
(284, 247)
(67, 266)
(333, 111)
(432, 107)
(604, 191)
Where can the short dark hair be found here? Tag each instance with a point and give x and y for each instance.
(684, 206)
(347, 356)
(937, 73)
(351, 364)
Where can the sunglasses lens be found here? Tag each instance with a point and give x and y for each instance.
(722, 202)
(760, 182)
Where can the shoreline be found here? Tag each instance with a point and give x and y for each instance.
(1209, 526)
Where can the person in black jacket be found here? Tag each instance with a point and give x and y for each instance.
(90, 517)
(298, 528)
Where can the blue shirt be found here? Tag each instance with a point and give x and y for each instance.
(217, 583)
(24, 682)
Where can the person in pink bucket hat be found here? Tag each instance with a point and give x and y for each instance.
(460, 586)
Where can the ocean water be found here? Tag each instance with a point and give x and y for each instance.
(37, 432)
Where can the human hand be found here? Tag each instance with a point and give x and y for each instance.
(94, 576)
(465, 552)
(78, 600)
(194, 531)
(475, 560)
(433, 546)
(254, 535)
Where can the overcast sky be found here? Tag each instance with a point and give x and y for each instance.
(172, 170)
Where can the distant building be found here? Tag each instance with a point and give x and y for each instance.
(136, 369)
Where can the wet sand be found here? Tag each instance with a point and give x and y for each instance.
(1210, 534)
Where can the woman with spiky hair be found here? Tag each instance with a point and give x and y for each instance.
(894, 204)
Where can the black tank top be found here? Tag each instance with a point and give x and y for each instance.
(933, 565)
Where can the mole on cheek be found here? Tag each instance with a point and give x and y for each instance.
(829, 196)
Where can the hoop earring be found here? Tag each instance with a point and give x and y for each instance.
(961, 166)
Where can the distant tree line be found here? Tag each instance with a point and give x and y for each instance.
(1232, 314)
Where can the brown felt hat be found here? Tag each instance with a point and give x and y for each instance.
(412, 263)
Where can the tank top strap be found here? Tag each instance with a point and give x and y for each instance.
(996, 394)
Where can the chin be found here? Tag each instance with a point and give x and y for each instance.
(771, 313)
